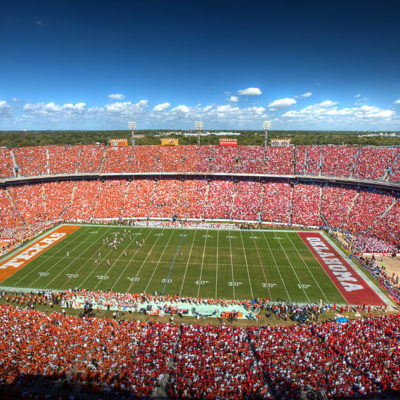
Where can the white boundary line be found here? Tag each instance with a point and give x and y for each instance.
(71, 262)
(41, 263)
(6, 256)
(210, 228)
(302, 259)
(362, 274)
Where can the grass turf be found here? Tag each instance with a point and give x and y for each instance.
(198, 263)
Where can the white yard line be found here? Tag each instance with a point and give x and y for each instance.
(111, 264)
(233, 277)
(202, 263)
(276, 266)
(187, 263)
(44, 260)
(129, 262)
(155, 269)
(294, 271)
(73, 259)
(147, 256)
(247, 266)
(263, 271)
(302, 259)
(216, 269)
(53, 266)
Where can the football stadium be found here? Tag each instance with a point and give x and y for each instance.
(271, 235)
(199, 200)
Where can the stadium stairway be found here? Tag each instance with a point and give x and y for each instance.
(379, 219)
(291, 206)
(152, 197)
(103, 157)
(206, 200)
(47, 161)
(267, 381)
(389, 208)
(44, 201)
(395, 161)
(160, 391)
(14, 206)
(259, 214)
(355, 163)
(233, 202)
(15, 169)
(125, 196)
(71, 201)
(321, 162)
(77, 158)
(350, 208)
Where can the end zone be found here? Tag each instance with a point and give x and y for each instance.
(350, 284)
(26, 255)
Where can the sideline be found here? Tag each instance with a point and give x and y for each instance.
(25, 255)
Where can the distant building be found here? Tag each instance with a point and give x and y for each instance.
(280, 142)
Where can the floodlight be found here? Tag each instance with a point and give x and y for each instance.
(132, 127)
(266, 125)
(199, 127)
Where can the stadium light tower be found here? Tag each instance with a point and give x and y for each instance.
(266, 125)
(199, 128)
(132, 127)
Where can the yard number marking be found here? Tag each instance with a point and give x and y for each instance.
(263, 284)
(201, 282)
(303, 286)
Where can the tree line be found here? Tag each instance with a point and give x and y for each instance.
(151, 137)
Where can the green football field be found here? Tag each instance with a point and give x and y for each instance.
(193, 262)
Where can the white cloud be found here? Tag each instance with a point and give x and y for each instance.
(116, 96)
(328, 111)
(51, 109)
(328, 103)
(305, 95)
(233, 99)
(324, 115)
(6, 110)
(161, 107)
(39, 23)
(397, 101)
(281, 103)
(181, 108)
(357, 95)
(119, 110)
(249, 92)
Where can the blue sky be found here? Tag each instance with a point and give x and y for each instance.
(232, 64)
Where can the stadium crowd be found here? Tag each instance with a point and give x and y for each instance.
(358, 358)
(369, 162)
(370, 215)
